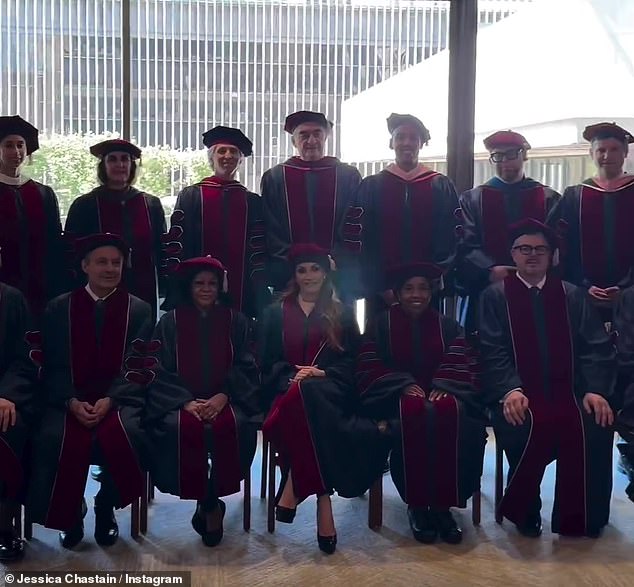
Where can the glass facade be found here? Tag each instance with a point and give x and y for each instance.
(198, 63)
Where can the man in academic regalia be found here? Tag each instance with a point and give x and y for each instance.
(116, 206)
(30, 228)
(308, 199)
(623, 327)
(17, 408)
(93, 415)
(548, 368)
(489, 209)
(220, 217)
(599, 252)
(408, 212)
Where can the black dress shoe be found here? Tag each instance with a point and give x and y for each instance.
(422, 524)
(213, 538)
(11, 547)
(532, 528)
(71, 538)
(106, 528)
(327, 544)
(448, 529)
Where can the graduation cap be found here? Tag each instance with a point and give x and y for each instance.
(16, 125)
(395, 120)
(228, 136)
(506, 138)
(309, 253)
(397, 275)
(187, 269)
(302, 116)
(102, 149)
(89, 243)
(607, 130)
(532, 226)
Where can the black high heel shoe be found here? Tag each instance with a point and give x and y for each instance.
(327, 544)
(283, 514)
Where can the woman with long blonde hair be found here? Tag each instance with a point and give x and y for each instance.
(308, 348)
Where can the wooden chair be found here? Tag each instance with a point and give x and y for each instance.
(138, 510)
(375, 505)
(499, 480)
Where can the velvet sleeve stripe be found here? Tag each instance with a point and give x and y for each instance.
(370, 368)
(457, 365)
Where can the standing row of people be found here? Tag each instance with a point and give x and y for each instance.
(396, 238)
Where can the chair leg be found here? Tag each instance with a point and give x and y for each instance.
(17, 519)
(265, 467)
(375, 504)
(271, 497)
(499, 480)
(476, 504)
(246, 501)
(144, 505)
(28, 525)
(135, 519)
(150, 490)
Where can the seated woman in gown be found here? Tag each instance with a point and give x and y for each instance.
(308, 347)
(416, 378)
(205, 391)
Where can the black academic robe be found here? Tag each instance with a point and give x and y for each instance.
(222, 219)
(404, 222)
(17, 385)
(31, 243)
(201, 356)
(623, 331)
(599, 240)
(312, 202)
(437, 448)
(306, 421)
(135, 216)
(553, 346)
(487, 213)
(78, 363)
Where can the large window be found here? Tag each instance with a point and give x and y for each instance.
(198, 63)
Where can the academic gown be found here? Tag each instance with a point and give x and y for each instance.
(405, 222)
(17, 384)
(223, 219)
(487, 213)
(623, 403)
(312, 202)
(306, 422)
(553, 346)
(599, 237)
(437, 448)
(31, 243)
(199, 357)
(79, 363)
(135, 216)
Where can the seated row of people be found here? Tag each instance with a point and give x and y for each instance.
(183, 403)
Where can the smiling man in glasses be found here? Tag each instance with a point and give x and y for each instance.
(548, 367)
(488, 210)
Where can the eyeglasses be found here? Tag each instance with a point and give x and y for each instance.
(510, 155)
(528, 250)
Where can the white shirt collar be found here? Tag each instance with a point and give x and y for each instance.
(538, 285)
(8, 180)
(95, 297)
